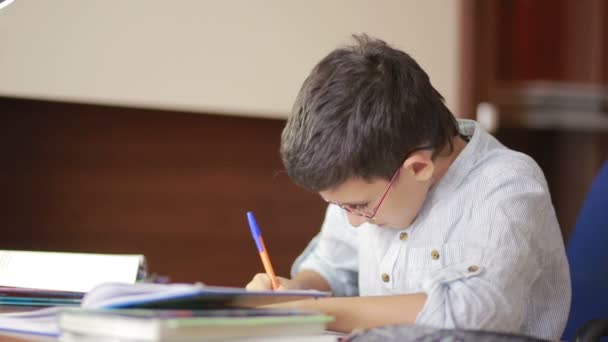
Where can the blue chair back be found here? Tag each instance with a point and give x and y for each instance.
(587, 253)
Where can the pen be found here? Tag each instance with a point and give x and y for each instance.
(257, 237)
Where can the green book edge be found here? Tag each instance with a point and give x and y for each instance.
(247, 321)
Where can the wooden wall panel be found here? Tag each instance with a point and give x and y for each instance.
(173, 186)
(530, 39)
(557, 40)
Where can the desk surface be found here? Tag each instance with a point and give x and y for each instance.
(6, 337)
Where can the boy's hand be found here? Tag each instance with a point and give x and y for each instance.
(261, 281)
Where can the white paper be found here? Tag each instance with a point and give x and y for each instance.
(79, 272)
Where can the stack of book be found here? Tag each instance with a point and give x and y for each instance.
(114, 306)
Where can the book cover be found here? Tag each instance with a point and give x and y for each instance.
(187, 296)
(185, 325)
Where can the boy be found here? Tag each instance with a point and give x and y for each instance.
(430, 219)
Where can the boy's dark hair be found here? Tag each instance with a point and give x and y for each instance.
(358, 114)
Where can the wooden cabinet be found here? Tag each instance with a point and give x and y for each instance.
(543, 66)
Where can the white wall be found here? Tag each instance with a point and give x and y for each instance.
(233, 56)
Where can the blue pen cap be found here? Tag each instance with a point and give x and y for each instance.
(255, 231)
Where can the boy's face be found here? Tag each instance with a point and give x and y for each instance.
(402, 201)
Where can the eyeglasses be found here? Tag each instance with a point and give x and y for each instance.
(360, 212)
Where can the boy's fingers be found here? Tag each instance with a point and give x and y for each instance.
(260, 281)
(285, 284)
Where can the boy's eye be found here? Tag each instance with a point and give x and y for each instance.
(358, 206)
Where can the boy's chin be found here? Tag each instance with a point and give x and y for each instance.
(389, 226)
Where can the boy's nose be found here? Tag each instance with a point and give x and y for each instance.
(356, 220)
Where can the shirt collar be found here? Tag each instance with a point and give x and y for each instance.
(466, 160)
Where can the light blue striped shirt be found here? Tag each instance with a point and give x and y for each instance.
(486, 248)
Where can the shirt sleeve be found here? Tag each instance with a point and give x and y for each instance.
(333, 254)
(520, 239)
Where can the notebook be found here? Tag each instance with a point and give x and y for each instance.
(36, 297)
(188, 325)
(158, 296)
(187, 296)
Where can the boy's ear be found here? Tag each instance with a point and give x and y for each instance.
(421, 165)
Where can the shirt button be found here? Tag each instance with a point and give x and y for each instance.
(473, 268)
(435, 255)
(403, 236)
(385, 277)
